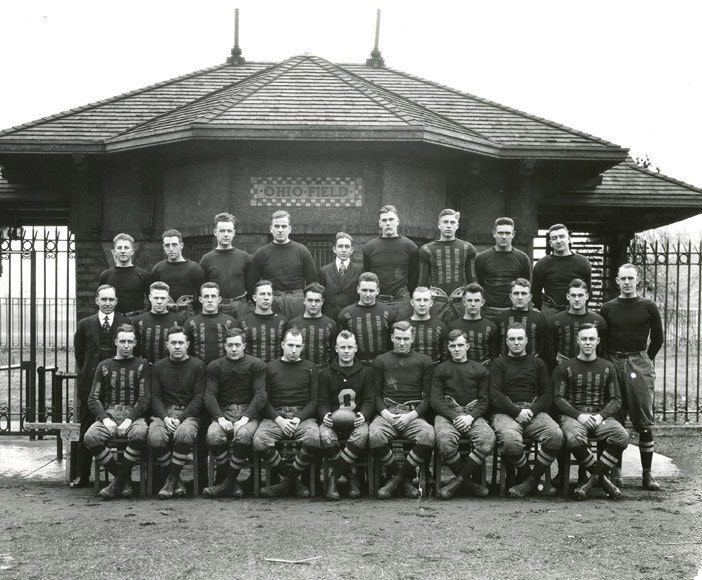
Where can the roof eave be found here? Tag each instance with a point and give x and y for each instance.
(567, 153)
(51, 147)
(305, 133)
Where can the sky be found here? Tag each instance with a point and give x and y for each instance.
(625, 71)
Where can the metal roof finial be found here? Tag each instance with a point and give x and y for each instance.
(236, 59)
(376, 60)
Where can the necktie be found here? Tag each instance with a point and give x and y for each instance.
(106, 325)
(342, 269)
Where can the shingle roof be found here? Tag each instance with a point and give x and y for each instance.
(304, 97)
(628, 194)
(628, 184)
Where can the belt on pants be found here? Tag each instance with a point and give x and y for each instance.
(388, 298)
(589, 409)
(288, 409)
(624, 354)
(547, 301)
(132, 313)
(233, 300)
(121, 408)
(183, 303)
(455, 407)
(405, 407)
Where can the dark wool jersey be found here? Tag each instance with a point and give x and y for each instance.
(465, 382)
(495, 271)
(183, 278)
(629, 322)
(264, 334)
(346, 386)
(180, 383)
(370, 325)
(291, 384)
(319, 336)
(236, 382)
(536, 330)
(289, 266)
(121, 382)
(228, 268)
(483, 338)
(403, 378)
(206, 334)
(151, 332)
(579, 384)
(563, 332)
(430, 338)
(131, 285)
(446, 265)
(518, 380)
(553, 274)
(394, 261)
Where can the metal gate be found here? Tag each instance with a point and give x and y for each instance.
(669, 274)
(37, 323)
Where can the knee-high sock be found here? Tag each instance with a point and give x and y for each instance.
(346, 459)
(646, 449)
(472, 464)
(416, 458)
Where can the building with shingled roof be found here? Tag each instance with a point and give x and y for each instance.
(331, 144)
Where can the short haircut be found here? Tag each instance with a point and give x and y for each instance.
(473, 288)
(126, 328)
(449, 211)
(627, 265)
(389, 209)
(402, 326)
(174, 330)
(588, 326)
(314, 287)
(280, 214)
(555, 227)
(346, 335)
(457, 333)
(294, 331)
(516, 326)
(122, 237)
(578, 283)
(342, 236)
(208, 285)
(420, 289)
(232, 332)
(369, 277)
(503, 221)
(262, 283)
(172, 234)
(158, 285)
(520, 282)
(104, 287)
(224, 217)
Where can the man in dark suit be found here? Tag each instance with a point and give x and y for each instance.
(340, 278)
(93, 342)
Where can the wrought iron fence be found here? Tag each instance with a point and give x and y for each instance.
(669, 274)
(37, 323)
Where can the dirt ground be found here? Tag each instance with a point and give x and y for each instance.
(49, 531)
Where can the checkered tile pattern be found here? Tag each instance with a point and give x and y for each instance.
(353, 197)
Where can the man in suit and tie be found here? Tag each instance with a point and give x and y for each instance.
(340, 278)
(93, 342)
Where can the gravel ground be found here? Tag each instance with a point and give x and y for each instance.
(50, 531)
